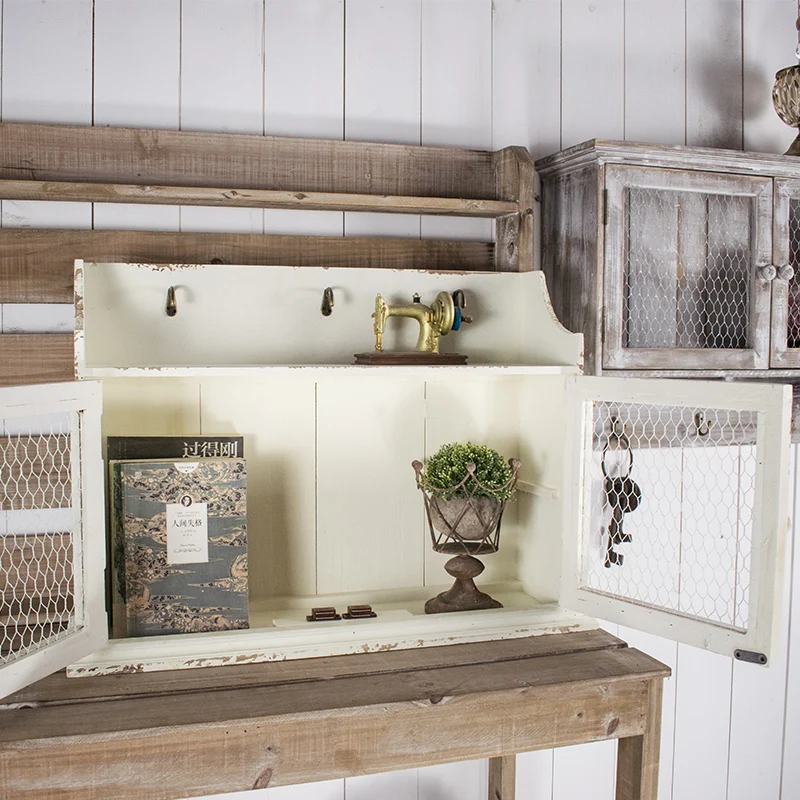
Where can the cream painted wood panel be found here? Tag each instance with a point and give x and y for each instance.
(378, 515)
(281, 519)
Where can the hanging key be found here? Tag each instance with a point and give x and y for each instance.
(622, 496)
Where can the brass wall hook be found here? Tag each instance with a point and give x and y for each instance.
(701, 424)
(172, 306)
(327, 302)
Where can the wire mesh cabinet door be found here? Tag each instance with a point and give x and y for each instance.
(688, 265)
(52, 539)
(677, 505)
(785, 342)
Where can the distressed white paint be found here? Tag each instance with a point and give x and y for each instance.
(557, 71)
(88, 528)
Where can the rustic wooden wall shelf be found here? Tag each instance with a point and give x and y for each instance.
(676, 261)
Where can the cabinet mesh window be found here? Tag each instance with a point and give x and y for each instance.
(688, 267)
(793, 311)
(667, 508)
(39, 533)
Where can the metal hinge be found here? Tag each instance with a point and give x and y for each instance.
(750, 656)
(605, 206)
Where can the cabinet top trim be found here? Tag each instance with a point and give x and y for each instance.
(597, 152)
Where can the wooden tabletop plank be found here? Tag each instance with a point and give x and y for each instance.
(57, 688)
(428, 686)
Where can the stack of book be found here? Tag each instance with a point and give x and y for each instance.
(178, 509)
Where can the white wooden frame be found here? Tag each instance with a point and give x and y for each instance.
(618, 178)
(82, 399)
(770, 512)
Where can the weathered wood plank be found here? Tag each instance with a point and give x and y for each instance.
(284, 748)
(515, 181)
(502, 777)
(177, 158)
(210, 706)
(75, 191)
(58, 688)
(36, 266)
(638, 756)
(36, 358)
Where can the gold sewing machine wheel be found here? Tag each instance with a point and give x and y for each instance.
(444, 313)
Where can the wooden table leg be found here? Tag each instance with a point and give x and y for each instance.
(637, 756)
(502, 777)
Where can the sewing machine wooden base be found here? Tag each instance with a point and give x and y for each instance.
(379, 358)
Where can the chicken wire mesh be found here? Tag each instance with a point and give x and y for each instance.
(687, 270)
(793, 315)
(38, 542)
(667, 508)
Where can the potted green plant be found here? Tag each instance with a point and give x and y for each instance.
(469, 484)
(465, 487)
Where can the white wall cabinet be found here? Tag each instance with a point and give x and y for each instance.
(333, 513)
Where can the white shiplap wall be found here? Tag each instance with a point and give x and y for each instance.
(542, 73)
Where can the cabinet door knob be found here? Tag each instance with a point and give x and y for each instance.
(767, 272)
(786, 272)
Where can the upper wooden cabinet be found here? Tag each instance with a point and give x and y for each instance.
(674, 259)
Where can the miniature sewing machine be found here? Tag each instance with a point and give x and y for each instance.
(438, 319)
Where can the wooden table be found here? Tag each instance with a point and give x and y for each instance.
(227, 729)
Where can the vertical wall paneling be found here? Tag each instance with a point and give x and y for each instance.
(526, 75)
(585, 770)
(769, 42)
(535, 775)
(46, 77)
(592, 71)
(369, 513)
(136, 84)
(757, 716)
(401, 785)
(702, 724)
(222, 93)
(382, 91)
(304, 90)
(465, 780)
(790, 777)
(655, 93)
(714, 73)
(280, 477)
(456, 42)
(47, 61)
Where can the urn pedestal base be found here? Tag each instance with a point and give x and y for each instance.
(463, 595)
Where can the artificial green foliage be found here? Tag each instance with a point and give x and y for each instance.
(447, 468)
